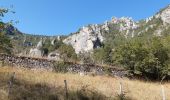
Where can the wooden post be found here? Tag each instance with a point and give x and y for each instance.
(162, 89)
(10, 83)
(120, 87)
(66, 90)
(163, 92)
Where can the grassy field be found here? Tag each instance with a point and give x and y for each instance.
(42, 85)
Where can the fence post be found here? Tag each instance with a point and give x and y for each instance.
(120, 87)
(10, 83)
(163, 92)
(66, 90)
(162, 89)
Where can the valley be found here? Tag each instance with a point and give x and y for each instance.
(119, 59)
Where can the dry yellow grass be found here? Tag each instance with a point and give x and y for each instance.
(135, 89)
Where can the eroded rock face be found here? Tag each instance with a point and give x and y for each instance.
(86, 39)
(92, 36)
(165, 15)
(125, 23)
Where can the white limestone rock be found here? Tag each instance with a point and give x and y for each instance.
(86, 39)
(91, 36)
(126, 23)
(165, 15)
(149, 19)
(53, 42)
(54, 56)
(40, 44)
(36, 52)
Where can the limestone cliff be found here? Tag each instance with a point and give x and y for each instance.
(92, 36)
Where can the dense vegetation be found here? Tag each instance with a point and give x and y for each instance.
(148, 58)
(142, 56)
(67, 52)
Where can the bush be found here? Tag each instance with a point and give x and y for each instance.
(61, 67)
(67, 52)
(102, 55)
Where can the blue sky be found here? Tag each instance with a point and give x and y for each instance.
(61, 17)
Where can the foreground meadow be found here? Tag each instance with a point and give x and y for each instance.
(43, 85)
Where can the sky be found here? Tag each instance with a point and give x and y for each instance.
(62, 17)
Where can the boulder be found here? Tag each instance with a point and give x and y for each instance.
(36, 52)
(54, 56)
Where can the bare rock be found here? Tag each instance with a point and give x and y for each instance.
(54, 56)
(36, 52)
(165, 15)
(86, 39)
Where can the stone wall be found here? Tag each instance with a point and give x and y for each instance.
(50, 65)
(32, 63)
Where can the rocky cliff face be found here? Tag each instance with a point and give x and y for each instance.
(86, 39)
(165, 15)
(92, 36)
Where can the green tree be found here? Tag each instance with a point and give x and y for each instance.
(5, 44)
(143, 57)
(103, 55)
(67, 52)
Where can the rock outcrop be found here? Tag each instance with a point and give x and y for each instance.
(36, 52)
(55, 55)
(165, 15)
(125, 23)
(86, 39)
(92, 36)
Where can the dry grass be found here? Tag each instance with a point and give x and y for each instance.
(135, 89)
